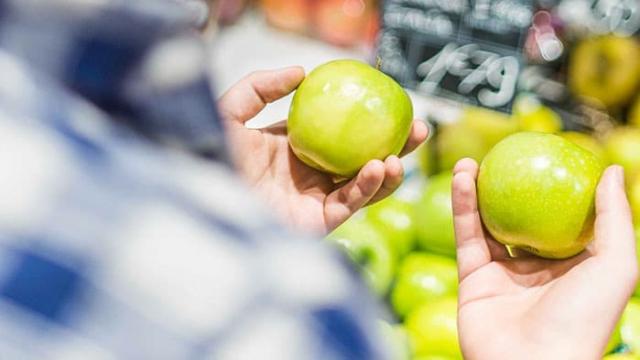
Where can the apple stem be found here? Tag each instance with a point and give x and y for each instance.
(378, 62)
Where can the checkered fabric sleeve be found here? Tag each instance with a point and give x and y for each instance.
(113, 246)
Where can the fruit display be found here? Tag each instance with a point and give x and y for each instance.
(622, 147)
(536, 192)
(346, 113)
(369, 249)
(434, 216)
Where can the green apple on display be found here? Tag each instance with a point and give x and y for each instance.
(394, 217)
(422, 278)
(536, 192)
(346, 113)
(369, 250)
(434, 216)
(433, 329)
(622, 146)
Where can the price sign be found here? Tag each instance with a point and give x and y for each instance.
(466, 50)
(602, 16)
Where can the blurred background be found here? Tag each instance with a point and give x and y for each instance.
(477, 71)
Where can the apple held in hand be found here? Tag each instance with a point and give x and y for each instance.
(536, 192)
(433, 329)
(369, 250)
(630, 325)
(434, 216)
(346, 113)
(423, 278)
(586, 142)
(394, 218)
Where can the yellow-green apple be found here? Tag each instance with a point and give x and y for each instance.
(630, 325)
(422, 278)
(394, 217)
(586, 142)
(456, 141)
(491, 126)
(622, 146)
(368, 249)
(536, 192)
(605, 69)
(433, 328)
(345, 113)
(434, 216)
(621, 356)
(633, 194)
(531, 115)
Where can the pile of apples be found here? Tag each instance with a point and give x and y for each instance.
(404, 248)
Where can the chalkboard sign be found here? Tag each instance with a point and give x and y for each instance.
(466, 50)
(602, 16)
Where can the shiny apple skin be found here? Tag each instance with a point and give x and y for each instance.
(536, 192)
(346, 113)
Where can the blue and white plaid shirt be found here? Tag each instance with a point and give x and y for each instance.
(116, 240)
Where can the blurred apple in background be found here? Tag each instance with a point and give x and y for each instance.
(434, 216)
(457, 141)
(536, 192)
(531, 115)
(292, 15)
(433, 329)
(422, 278)
(346, 113)
(394, 217)
(491, 126)
(634, 113)
(586, 142)
(427, 162)
(343, 22)
(605, 70)
(369, 250)
(630, 325)
(622, 146)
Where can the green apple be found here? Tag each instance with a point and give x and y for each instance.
(433, 328)
(491, 126)
(615, 340)
(531, 115)
(638, 255)
(457, 141)
(586, 142)
(434, 216)
(630, 325)
(605, 69)
(433, 357)
(369, 250)
(536, 192)
(626, 356)
(397, 340)
(622, 146)
(394, 217)
(633, 194)
(422, 278)
(427, 162)
(346, 113)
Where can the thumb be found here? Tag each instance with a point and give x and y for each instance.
(249, 96)
(614, 235)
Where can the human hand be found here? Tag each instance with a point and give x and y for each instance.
(306, 198)
(534, 308)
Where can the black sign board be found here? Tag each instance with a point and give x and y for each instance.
(467, 50)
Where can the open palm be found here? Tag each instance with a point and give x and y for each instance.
(532, 308)
(305, 198)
